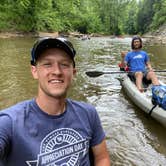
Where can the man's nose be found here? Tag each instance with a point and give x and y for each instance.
(56, 69)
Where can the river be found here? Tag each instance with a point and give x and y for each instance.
(133, 138)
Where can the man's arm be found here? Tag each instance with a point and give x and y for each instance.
(123, 54)
(149, 66)
(101, 155)
(5, 134)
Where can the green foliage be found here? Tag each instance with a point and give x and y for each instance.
(130, 18)
(5, 15)
(160, 14)
(86, 16)
(145, 15)
(87, 19)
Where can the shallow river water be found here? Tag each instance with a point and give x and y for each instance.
(133, 138)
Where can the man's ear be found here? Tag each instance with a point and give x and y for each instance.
(74, 72)
(34, 72)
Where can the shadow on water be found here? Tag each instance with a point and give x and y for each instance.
(133, 139)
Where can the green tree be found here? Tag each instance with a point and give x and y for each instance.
(160, 14)
(145, 16)
(86, 16)
(131, 17)
(5, 14)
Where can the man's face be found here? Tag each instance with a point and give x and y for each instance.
(137, 44)
(54, 71)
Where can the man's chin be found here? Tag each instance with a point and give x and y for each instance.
(58, 95)
(137, 47)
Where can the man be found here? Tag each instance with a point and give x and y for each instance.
(52, 130)
(139, 63)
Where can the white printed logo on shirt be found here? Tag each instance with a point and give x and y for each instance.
(139, 56)
(62, 147)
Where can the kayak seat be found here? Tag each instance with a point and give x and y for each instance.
(146, 82)
(131, 76)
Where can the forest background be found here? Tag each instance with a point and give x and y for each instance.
(107, 17)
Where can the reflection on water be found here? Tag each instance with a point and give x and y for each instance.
(157, 53)
(15, 77)
(132, 138)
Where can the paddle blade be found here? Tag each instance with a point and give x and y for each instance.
(94, 73)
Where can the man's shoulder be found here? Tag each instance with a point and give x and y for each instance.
(143, 52)
(80, 105)
(84, 111)
(129, 53)
(16, 108)
(136, 52)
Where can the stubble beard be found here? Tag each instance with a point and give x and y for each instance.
(137, 47)
(55, 95)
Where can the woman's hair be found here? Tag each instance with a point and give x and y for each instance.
(136, 38)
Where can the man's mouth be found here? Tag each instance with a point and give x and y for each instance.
(55, 81)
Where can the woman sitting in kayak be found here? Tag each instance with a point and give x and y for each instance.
(139, 64)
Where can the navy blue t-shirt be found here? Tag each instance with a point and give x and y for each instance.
(30, 137)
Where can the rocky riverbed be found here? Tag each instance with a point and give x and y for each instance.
(151, 38)
(156, 37)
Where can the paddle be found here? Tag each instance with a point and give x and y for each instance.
(99, 73)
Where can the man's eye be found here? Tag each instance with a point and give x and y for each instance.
(47, 64)
(65, 64)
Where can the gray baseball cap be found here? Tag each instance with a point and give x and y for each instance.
(48, 42)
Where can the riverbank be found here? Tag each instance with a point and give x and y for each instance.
(156, 37)
(43, 34)
(22, 34)
(152, 38)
